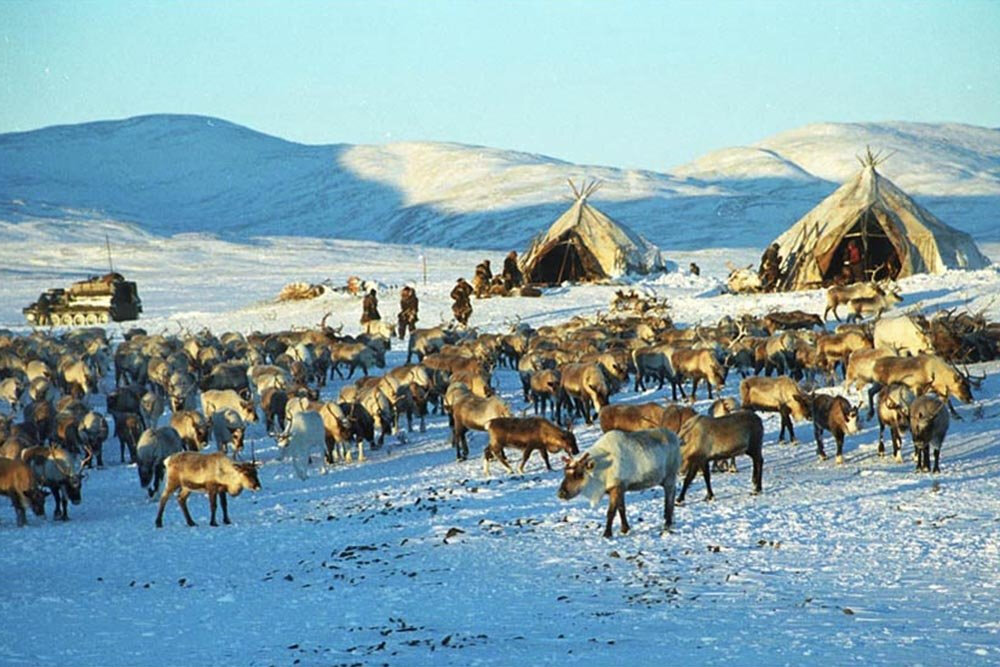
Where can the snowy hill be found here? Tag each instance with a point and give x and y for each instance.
(169, 174)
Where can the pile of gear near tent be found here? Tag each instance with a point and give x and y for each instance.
(897, 236)
(585, 245)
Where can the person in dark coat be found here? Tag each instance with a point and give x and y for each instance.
(461, 306)
(853, 260)
(408, 306)
(770, 268)
(369, 307)
(481, 281)
(694, 269)
(511, 273)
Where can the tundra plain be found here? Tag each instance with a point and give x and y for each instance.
(413, 558)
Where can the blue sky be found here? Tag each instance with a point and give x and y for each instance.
(632, 84)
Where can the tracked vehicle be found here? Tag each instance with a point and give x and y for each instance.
(98, 300)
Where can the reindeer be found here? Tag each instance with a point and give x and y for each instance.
(873, 305)
(781, 395)
(214, 474)
(54, 468)
(526, 434)
(469, 411)
(705, 439)
(841, 294)
(18, 483)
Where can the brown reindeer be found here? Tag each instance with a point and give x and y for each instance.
(836, 415)
(470, 412)
(18, 483)
(705, 439)
(698, 365)
(781, 395)
(894, 411)
(925, 372)
(214, 474)
(527, 434)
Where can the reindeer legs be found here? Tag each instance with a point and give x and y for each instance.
(616, 504)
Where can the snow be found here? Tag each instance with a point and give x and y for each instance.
(412, 557)
(169, 174)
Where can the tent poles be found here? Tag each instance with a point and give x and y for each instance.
(563, 267)
(568, 244)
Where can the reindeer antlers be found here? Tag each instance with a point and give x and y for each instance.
(86, 460)
(976, 381)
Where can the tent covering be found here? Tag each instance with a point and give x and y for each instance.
(898, 237)
(585, 245)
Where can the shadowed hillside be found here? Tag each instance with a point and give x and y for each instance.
(170, 174)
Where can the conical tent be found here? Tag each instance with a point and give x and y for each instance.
(585, 245)
(897, 236)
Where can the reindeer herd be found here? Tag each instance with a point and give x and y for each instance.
(216, 387)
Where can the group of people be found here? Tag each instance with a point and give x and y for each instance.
(409, 304)
(484, 285)
(852, 271)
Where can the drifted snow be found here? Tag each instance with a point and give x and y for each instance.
(411, 557)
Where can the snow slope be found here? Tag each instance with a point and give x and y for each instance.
(411, 558)
(172, 174)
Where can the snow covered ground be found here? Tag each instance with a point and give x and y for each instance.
(412, 558)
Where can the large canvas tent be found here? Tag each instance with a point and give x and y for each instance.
(585, 245)
(897, 236)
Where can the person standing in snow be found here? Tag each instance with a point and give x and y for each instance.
(461, 306)
(770, 268)
(408, 305)
(481, 281)
(369, 308)
(511, 273)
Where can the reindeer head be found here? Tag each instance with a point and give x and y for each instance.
(36, 497)
(249, 410)
(852, 425)
(801, 406)
(575, 476)
(248, 471)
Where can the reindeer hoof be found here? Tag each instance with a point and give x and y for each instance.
(840, 460)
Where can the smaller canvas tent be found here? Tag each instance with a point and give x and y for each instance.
(897, 236)
(585, 245)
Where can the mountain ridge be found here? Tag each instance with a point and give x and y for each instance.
(170, 174)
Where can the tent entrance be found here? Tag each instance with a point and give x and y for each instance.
(563, 261)
(879, 258)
